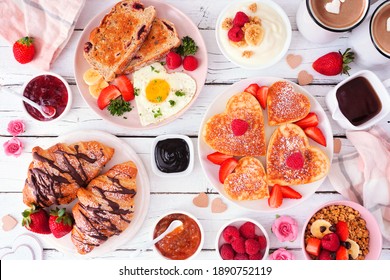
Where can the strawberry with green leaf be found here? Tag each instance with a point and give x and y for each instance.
(36, 220)
(24, 50)
(334, 63)
(60, 222)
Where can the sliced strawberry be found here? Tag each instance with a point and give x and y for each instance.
(125, 87)
(239, 127)
(252, 89)
(276, 197)
(226, 168)
(108, 93)
(261, 96)
(218, 158)
(342, 253)
(313, 246)
(310, 120)
(316, 134)
(289, 192)
(342, 230)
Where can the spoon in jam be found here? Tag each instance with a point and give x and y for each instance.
(46, 111)
(172, 226)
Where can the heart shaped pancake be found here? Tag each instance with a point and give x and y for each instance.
(285, 105)
(239, 131)
(248, 182)
(291, 160)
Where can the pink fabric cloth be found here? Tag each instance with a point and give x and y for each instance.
(49, 22)
(364, 176)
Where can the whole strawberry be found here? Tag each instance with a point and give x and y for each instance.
(334, 63)
(24, 50)
(60, 222)
(36, 220)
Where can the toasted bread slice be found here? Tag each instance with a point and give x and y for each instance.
(248, 182)
(161, 39)
(218, 132)
(113, 44)
(285, 105)
(287, 140)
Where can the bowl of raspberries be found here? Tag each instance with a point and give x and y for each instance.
(242, 239)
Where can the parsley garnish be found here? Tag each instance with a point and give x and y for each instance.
(172, 102)
(187, 47)
(157, 113)
(136, 91)
(180, 93)
(159, 99)
(118, 107)
(154, 69)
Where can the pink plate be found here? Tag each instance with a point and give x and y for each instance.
(184, 26)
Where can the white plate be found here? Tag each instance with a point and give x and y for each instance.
(184, 27)
(123, 153)
(211, 170)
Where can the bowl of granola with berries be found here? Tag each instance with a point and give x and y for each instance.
(341, 230)
(253, 34)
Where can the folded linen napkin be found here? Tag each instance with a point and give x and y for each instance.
(364, 176)
(49, 22)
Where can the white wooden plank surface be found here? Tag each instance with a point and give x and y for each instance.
(165, 194)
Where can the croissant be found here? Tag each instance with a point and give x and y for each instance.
(55, 174)
(105, 207)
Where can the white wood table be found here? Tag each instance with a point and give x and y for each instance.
(166, 194)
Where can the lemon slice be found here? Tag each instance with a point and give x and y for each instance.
(92, 77)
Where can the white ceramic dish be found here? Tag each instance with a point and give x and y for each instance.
(174, 174)
(123, 153)
(184, 27)
(192, 217)
(211, 170)
(226, 49)
(259, 230)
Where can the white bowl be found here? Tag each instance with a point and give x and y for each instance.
(174, 174)
(236, 5)
(68, 105)
(190, 216)
(260, 230)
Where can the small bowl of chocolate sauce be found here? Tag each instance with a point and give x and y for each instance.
(360, 101)
(172, 155)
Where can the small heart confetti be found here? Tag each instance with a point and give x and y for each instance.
(217, 206)
(304, 78)
(8, 222)
(201, 200)
(336, 145)
(294, 60)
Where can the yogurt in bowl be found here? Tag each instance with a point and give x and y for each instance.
(258, 41)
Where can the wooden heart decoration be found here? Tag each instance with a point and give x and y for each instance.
(221, 133)
(304, 78)
(217, 206)
(294, 60)
(8, 222)
(201, 200)
(285, 105)
(291, 160)
(248, 182)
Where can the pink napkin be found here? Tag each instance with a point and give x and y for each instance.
(49, 22)
(364, 176)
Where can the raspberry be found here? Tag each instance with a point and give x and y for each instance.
(242, 256)
(238, 245)
(247, 230)
(295, 161)
(227, 252)
(173, 60)
(190, 63)
(262, 242)
(325, 255)
(330, 242)
(240, 19)
(252, 246)
(230, 233)
(239, 127)
(257, 256)
(235, 34)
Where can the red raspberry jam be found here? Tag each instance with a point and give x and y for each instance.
(49, 91)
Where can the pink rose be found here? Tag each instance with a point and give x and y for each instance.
(281, 255)
(16, 127)
(285, 228)
(13, 147)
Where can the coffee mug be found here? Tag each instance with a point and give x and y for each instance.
(371, 40)
(323, 21)
(348, 97)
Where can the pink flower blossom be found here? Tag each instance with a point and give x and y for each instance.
(16, 127)
(281, 255)
(285, 228)
(13, 147)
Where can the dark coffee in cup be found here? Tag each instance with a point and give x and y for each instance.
(351, 13)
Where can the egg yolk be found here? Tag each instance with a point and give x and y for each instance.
(157, 90)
